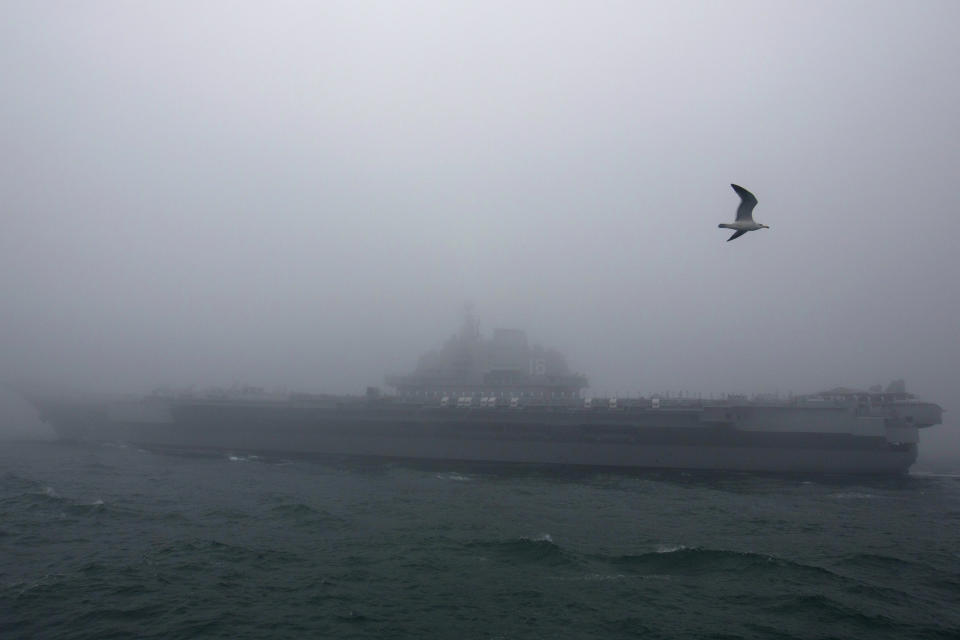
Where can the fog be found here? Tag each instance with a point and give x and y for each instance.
(305, 195)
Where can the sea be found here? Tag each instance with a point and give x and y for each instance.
(111, 541)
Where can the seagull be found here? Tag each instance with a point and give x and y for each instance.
(744, 221)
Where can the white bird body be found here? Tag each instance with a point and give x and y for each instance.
(744, 221)
(743, 225)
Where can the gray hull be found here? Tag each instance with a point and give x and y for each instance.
(685, 439)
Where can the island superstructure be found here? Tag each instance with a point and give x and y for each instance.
(498, 369)
(503, 400)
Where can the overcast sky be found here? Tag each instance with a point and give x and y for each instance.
(307, 194)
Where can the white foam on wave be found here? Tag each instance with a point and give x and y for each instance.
(233, 458)
(853, 495)
(936, 474)
(49, 492)
(543, 537)
(97, 503)
(456, 477)
(670, 548)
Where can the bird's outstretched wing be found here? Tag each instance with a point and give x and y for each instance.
(747, 203)
(736, 235)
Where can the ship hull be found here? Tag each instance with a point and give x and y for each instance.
(678, 439)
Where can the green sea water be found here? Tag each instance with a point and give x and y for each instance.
(102, 541)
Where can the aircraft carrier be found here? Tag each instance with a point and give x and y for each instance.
(503, 400)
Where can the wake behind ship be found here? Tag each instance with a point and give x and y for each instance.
(503, 400)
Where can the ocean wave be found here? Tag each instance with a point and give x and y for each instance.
(48, 500)
(827, 609)
(889, 569)
(606, 577)
(12, 481)
(238, 458)
(295, 509)
(226, 513)
(85, 508)
(197, 554)
(540, 549)
(875, 560)
(304, 516)
(670, 548)
(853, 495)
(37, 495)
(456, 477)
(936, 474)
(683, 560)
(42, 584)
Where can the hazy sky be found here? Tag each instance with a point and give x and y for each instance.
(306, 194)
